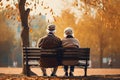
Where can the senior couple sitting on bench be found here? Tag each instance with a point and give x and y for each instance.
(50, 41)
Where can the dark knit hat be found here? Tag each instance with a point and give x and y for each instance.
(51, 27)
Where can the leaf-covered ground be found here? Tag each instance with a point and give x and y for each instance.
(23, 77)
(93, 74)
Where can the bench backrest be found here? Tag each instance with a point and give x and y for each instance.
(35, 53)
(51, 54)
(77, 54)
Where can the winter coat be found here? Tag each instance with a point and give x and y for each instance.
(49, 42)
(70, 42)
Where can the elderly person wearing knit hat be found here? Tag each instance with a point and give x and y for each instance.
(69, 42)
(50, 41)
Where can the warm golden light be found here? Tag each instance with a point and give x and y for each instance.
(96, 24)
(49, 8)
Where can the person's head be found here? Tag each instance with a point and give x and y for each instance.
(68, 31)
(51, 28)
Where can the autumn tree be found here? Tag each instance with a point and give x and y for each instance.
(97, 27)
(24, 21)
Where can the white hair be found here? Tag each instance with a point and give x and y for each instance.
(68, 31)
(50, 31)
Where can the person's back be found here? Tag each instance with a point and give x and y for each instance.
(50, 41)
(69, 42)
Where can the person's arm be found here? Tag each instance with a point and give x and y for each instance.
(78, 43)
(39, 44)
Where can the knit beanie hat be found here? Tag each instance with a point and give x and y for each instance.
(51, 27)
(68, 31)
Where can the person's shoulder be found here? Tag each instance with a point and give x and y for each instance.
(64, 38)
(75, 38)
(57, 37)
(43, 37)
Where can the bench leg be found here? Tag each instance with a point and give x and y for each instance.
(27, 73)
(26, 70)
(85, 71)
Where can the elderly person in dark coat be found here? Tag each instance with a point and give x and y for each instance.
(50, 41)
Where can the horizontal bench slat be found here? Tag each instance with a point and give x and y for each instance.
(32, 58)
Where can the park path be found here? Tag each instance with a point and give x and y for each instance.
(60, 72)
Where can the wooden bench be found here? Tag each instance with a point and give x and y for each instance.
(52, 57)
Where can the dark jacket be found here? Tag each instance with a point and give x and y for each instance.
(50, 41)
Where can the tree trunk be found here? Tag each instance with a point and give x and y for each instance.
(25, 29)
